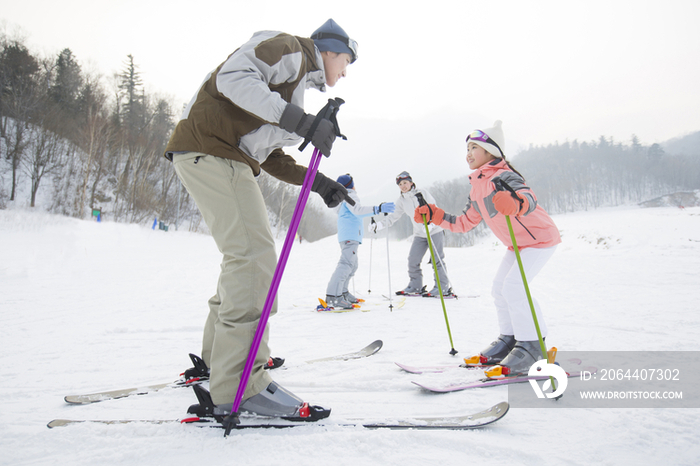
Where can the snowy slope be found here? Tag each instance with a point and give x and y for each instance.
(86, 306)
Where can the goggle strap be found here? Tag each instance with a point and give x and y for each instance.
(330, 35)
(488, 140)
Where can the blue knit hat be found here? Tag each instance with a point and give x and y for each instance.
(332, 38)
(346, 180)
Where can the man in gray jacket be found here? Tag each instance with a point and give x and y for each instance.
(237, 123)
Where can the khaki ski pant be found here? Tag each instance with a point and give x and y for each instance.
(232, 206)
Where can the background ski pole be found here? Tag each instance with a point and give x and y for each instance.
(388, 269)
(328, 112)
(369, 283)
(503, 186)
(422, 202)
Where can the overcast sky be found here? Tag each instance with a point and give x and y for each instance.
(427, 73)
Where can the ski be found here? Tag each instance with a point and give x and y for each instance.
(436, 369)
(126, 392)
(368, 350)
(392, 303)
(414, 294)
(446, 367)
(324, 307)
(449, 295)
(333, 310)
(469, 421)
(401, 293)
(145, 389)
(487, 382)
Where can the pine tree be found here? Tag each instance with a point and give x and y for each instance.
(67, 84)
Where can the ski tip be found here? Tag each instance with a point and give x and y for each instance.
(409, 369)
(78, 400)
(499, 410)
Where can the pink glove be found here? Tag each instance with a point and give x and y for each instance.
(505, 203)
(433, 214)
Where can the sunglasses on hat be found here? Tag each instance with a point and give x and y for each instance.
(478, 135)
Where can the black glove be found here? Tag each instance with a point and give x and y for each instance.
(332, 192)
(294, 120)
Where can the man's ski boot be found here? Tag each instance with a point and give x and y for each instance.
(519, 360)
(347, 296)
(494, 353)
(411, 291)
(274, 401)
(338, 302)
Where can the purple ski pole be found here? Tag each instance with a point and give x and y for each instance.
(232, 419)
(327, 112)
(274, 286)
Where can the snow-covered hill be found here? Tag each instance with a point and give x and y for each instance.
(86, 306)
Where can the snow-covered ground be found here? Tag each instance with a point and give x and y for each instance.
(87, 306)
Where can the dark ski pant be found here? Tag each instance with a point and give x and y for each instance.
(416, 254)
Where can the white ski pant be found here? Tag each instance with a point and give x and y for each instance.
(512, 306)
(418, 249)
(232, 206)
(345, 270)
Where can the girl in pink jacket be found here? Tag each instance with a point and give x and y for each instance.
(517, 346)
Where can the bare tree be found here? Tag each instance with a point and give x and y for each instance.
(42, 156)
(19, 100)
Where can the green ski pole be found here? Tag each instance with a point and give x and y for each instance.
(422, 202)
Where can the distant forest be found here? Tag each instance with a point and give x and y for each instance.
(94, 142)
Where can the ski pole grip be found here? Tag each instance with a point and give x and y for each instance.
(328, 112)
(421, 200)
(503, 186)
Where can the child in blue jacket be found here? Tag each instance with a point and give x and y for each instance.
(350, 234)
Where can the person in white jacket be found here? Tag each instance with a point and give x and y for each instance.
(407, 204)
(350, 237)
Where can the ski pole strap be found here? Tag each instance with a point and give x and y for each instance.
(503, 186)
(328, 112)
(422, 202)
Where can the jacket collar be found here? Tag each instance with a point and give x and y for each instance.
(315, 73)
(409, 193)
(488, 169)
